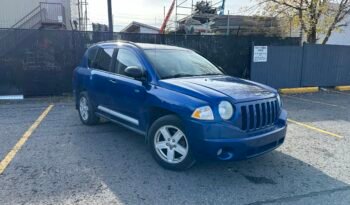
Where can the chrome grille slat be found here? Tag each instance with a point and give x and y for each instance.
(264, 114)
(268, 111)
(251, 116)
(276, 110)
(244, 116)
(258, 115)
(272, 111)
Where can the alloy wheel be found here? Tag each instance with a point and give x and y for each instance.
(171, 144)
(84, 108)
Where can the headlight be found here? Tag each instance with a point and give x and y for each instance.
(225, 110)
(279, 100)
(203, 113)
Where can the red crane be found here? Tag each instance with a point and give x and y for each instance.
(167, 17)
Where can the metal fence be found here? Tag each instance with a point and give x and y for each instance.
(40, 62)
(310, 65)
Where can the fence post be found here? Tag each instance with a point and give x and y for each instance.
(249, 76)
(302, 64)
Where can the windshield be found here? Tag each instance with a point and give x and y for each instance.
(180, 63)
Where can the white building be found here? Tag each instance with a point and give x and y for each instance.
(340, 37)
(137, 27)
(14, 13)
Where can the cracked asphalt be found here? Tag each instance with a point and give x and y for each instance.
(65, 162)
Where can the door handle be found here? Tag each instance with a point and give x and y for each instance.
(113, 81)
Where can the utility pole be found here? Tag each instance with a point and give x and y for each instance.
(110, 16)
(79, 16)
(175, 17)
(228, 23)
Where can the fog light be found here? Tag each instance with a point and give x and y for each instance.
(225, 154)
(219, 152)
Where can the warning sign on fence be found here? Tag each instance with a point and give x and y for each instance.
(260, 54)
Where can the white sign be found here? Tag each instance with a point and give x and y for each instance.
(260, 54)
(60, 19)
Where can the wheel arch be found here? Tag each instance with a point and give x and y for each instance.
(77, 96)
(168, 102)
(156, 112)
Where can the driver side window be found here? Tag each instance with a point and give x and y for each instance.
(125, 58)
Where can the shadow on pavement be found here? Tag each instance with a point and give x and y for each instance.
(129, 171)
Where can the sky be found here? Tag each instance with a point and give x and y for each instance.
(145, 11)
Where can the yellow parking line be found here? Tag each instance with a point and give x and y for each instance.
(316, 129)
(9, 157)
(315, 101)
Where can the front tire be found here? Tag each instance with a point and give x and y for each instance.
(86, 110)
(169, 144)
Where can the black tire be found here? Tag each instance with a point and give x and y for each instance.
(91, 118)
(172, 121)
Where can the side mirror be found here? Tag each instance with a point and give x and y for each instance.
(134, 72)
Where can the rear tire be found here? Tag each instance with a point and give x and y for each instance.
(169, 144)
(86, 110)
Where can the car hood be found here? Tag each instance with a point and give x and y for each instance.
(206, 88)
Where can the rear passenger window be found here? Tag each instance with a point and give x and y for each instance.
(91, 55)
(103, 59)
(124, 59)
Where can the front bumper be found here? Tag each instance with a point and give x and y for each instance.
(225, 142)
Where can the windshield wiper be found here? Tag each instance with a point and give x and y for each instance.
(179, 75)
(212, 74)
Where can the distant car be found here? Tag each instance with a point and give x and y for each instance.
(186, 107)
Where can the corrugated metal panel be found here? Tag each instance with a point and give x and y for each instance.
(282, 69)
(343, 66)
(326, 65)
(311, 65)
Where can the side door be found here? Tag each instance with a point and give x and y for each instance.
(129, 93)
(101, 78)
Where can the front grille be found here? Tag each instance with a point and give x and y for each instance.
(259, 114)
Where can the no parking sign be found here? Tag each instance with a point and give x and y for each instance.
(260, 54)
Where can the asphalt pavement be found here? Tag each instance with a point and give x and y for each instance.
(65, 162)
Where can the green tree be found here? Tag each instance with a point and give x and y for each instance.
(315, 18)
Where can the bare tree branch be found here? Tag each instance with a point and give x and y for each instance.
(314, 17)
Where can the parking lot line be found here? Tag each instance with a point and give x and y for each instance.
(315, 101)
(338, 92)
(316, 129)
(9, 157)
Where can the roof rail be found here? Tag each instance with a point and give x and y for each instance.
(116, 41)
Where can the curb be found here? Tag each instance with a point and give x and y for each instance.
(342, 88)
(299, 90)
(11, 97)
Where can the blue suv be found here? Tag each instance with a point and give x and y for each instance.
(185, 107)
